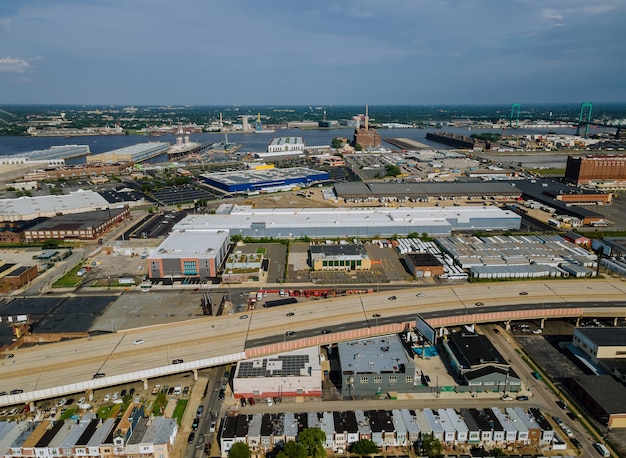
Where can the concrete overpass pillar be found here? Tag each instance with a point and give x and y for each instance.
(578, 322)
(543, 323)
(145, 383)
(615, 320)
(507, 325)
(89, 394)
(195, 374)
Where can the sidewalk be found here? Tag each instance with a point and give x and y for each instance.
(195, 399)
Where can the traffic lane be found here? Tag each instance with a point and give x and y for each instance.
(283, 336)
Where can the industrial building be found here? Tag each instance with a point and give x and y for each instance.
(285, 144)
(594, 169)
(377, 365)
(15, 276)
(604, 348)
(267, 180)
(241, 267)
(188, 253)
(339, 257)
(423, 265)
(365, 136)
(82, 226)
(134, 153)
(286, 223)
(603, 397)
(292, 374)
(53, 156)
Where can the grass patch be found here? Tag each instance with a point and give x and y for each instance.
(180, 410)
(70, 279)
(68, 413)
(104, 412)
(159, 404)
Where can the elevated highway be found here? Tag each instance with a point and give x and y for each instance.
(63, 368)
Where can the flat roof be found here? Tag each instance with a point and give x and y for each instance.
(475, 349)
(606, 391)
(29, 207)
(374, 356)
(204, 243)
(260, 176)
(77, 221)
(604, 337)
(453, 188)
(292, 364)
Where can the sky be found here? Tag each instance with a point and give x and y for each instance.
(324, 52)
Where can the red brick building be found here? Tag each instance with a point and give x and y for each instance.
(588, 169)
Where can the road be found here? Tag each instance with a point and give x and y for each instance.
(52, 365)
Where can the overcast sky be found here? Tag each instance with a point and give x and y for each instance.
(297, 52)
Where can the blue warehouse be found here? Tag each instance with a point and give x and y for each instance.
(267, 180)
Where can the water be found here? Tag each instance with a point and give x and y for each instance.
(250, 142)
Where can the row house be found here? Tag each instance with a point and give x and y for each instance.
(395, 428)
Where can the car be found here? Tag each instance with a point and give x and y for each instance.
(10, 355)
(191, 437)
(212, 428)
(185, 391)
(568, 432)
(116, 395)
(61, 402)
(16, 391)
(496, 330)
(251, 401)
(392, 298)
(69, 402)
(123, 393)
(107, 397)
(326, 331)
(561, 404)
(199, 411)
(576, 443)
(3, 393)
(557, 420)
(269, 401)
(536, 374)
(522, 398)
(276, 400)
(290, 314)
(222, 394)
(420, 294)
(243, 317)
(243, 402)
(164, 389)
(572, 416)
(226, 375)
(132, 391)
(194, 425)
(177, 361)
(537, 331)
(479, 304)
(171, 390)
(290, 333)
(138, 341)
(523, 293)
(99, 375)
(506, 398)
(81, 401)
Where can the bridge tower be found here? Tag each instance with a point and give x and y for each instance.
(514, 114)
(581, 116)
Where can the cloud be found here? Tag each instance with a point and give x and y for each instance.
(13, 65)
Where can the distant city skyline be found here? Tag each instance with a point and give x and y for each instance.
(280, 52)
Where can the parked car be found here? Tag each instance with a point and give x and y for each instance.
(191, 437)
(561, 404)
(243, 402)
(199, 411)
(522, 398)
(212, 428)
(251, 401)
(107, 397)
(268, 401)
(194, 425)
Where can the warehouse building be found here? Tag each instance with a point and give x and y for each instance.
(603, 397)
(339, 257)
(284, 144)
(604, 348)
(423, 265)
(266, 180)
(286, 223)
(595, 169)
(83, 226)
(53, 156)
(189, 254)
(15, 276)
(134, 153)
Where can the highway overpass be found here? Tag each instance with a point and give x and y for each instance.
(59, 369)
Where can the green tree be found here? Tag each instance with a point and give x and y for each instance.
(497, 452)
(239, 450)
(358, 147)
(392, 170)
(431, 446)
(292, 449)
(364, 447)
(312, 440)
(336, 143)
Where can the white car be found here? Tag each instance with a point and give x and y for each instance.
(138, 342)
(420, 294)
(116, 395)
(61, 402)
(269, 401)
(81, 400)
(107, 398)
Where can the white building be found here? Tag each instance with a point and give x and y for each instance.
(282, 144)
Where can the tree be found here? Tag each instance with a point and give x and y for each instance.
(312, 440)
(497, 451)
(392, 170)
(239, 450)
(292, 449)
(431, 446)
(336, 143)
(364, 447)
